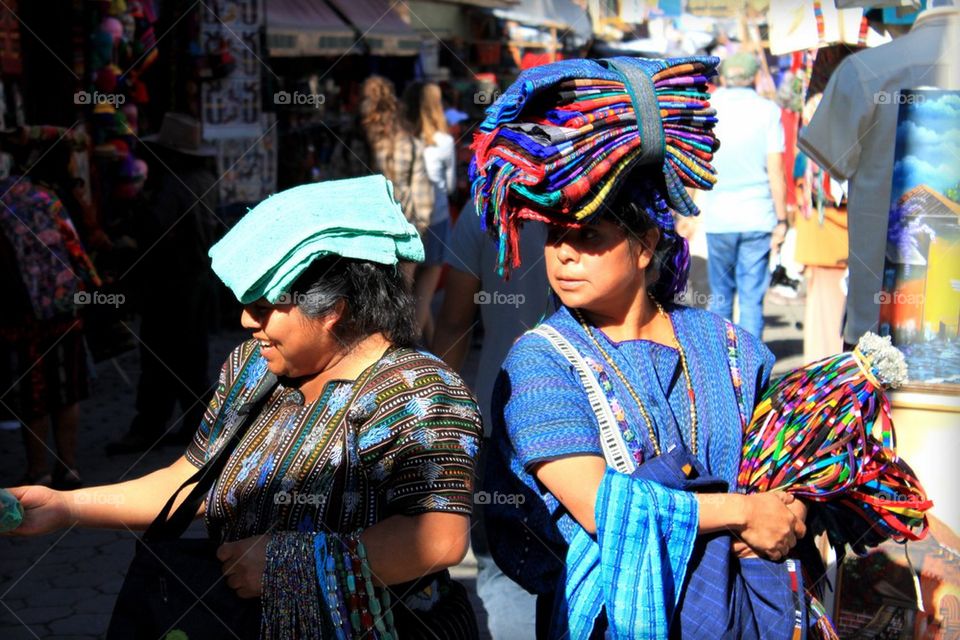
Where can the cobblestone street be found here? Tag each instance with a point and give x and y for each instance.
(64, 585)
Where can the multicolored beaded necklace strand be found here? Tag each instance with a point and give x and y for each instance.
(633, 394)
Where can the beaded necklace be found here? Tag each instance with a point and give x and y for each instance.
(633, 394)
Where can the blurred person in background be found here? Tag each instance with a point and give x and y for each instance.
(44, 274)
(424, 110)
(398, 154)
(508, 308)
(744, 216)
(175, 231)
(822, 248)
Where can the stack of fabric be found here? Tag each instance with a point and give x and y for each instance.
(357, 218)
(563, 138)
(823, 432)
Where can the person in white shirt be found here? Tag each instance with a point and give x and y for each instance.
(744, 215)
(424, 110)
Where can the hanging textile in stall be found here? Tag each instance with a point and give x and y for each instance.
(796, 25)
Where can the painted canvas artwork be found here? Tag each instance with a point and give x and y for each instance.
(920, 299)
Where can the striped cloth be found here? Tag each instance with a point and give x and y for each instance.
(637, 565)
(564, 137)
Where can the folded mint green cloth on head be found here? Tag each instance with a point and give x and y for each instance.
(282, 236)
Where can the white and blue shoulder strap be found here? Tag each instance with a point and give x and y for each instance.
(615, 450)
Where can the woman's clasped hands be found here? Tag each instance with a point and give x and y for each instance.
(772, 523)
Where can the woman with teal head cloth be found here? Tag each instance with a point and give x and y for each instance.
(349, 493)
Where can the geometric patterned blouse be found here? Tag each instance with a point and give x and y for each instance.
(407, 445)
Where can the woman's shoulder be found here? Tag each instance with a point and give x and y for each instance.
(703, 323)
(418, 383)
(406, 364)
(534, 349)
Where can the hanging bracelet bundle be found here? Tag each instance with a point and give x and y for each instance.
(324, 581)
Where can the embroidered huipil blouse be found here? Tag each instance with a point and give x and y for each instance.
(541, 413)
(407, 446)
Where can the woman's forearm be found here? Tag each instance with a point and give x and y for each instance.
(132, 504)
(404, 548)
(721, 512)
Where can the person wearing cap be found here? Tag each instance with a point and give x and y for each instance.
(744, 216)
(175, 229)
(617, 422)
(356, 476)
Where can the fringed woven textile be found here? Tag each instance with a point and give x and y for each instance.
(562, 139)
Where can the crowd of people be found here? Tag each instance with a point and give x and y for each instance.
(338, 395)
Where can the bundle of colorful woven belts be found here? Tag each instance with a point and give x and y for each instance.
(562, 139)
(823, 432)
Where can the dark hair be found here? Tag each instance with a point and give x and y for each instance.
(639, 207)
(377, 298)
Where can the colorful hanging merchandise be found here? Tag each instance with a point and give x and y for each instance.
(340, 592)
(824, 433)
(563, 138)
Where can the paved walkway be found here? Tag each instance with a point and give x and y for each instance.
(64, 585)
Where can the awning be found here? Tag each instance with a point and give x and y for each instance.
(562, 14)
(439, 20)
(382, 28)
(297, 28)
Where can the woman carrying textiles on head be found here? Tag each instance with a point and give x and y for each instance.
(349, 486)
(618, 422)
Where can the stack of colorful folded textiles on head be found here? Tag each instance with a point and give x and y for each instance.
(562, 139)
(813, 434)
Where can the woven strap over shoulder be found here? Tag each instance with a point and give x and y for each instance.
(615, 450)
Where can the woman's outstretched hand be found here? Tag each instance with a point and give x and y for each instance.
(44, 510)
(244, 562)
(774, 522)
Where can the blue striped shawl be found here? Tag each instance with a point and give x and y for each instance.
(635, 568)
